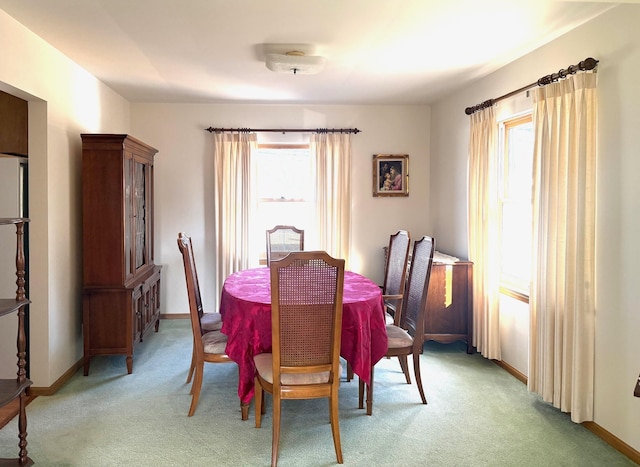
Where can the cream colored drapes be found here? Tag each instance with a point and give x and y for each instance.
(562, 301)
(232, 202)
(333, 192)
(484, 232)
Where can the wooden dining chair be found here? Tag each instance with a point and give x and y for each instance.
(407, 338)
(395, 273)
(306, 323)
(210, 321)
(208, 346)
(283, 239)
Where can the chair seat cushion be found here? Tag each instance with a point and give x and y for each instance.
(264, 367)
(388, 319)
(398, 337)
(214, 342)
(211, 322)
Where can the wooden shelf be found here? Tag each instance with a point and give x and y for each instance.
(11, 389)
(16, 389)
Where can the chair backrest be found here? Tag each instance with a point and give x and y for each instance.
(283, 239)
(395, 271)
(193, 287)
(415, 297)
(306, 312)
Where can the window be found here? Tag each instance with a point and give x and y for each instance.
(516, 210)
(285, 191)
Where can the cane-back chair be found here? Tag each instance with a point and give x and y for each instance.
(395, 273)
(408, 337)
(283, 239)
(306, 323)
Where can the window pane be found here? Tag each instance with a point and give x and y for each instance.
(516, 246)
(520, 161)
(285, 193)
(516, 206)
(284, 174)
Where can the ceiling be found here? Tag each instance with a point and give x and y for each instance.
(377, 51)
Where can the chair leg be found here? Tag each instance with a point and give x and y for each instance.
(275, 441)
(335, 423)
(192, 367)
(349, 372)
(360, 393)
(258, 396)
(404, 364)
(195, 388)
(416, 372)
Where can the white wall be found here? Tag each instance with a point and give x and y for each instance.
(184, 169)
(64, 101)
(614, 40)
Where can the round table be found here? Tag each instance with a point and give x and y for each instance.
(245, 306)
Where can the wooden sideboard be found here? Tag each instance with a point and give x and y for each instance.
(449, 315)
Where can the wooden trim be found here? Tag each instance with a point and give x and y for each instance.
(514, 294)
(175, 316)
(511, 370)
(48, 391)
(613, 441)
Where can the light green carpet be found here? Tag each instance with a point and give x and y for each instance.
(477, 415)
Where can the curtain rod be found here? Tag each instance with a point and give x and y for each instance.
(284, 130)
(586, 64)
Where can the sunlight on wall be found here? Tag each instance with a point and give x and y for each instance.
(85, 106)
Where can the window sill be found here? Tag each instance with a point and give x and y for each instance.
(520, 296)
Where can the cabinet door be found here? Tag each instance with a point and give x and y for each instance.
(137, 311)
(128, 215)
(140, 213)
(155, 300)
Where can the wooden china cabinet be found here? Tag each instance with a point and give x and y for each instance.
(121, 282)
(16, 388)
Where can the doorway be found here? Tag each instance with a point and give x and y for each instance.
(14, 202)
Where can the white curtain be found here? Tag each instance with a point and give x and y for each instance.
(333, 192)
(484, 232)
(232, 202)
(562, 301)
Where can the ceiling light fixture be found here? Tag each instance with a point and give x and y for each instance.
(295, 62)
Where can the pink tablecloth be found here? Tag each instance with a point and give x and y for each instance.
(245, 306)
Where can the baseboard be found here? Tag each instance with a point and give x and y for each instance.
(175, 316)
(612, 440)
(512, 371)
(50, 390)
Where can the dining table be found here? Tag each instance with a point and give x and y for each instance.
(245, 306)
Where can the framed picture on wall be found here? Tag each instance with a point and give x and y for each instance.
(390, 175)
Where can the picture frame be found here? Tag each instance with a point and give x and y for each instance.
(390, 175)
